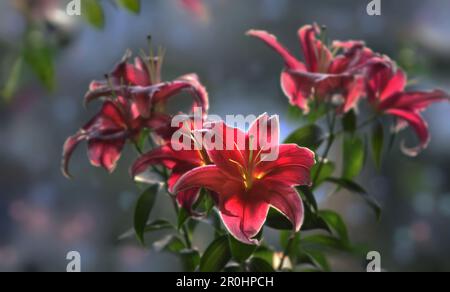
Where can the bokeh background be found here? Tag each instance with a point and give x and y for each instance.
(43, 216)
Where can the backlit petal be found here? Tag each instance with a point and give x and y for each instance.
(420, 127)
(105, 153)
(290, 61)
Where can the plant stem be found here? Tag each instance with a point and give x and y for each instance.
(330, 141)
(286, 251)
(184, 232)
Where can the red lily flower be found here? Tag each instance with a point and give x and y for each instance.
(338, 79)
(135, 104)
(178, 161)
(386, 92)
(245, 183)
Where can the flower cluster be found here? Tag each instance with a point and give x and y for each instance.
(346, 73)
(134, 98)
(230, 166)
(242, 184)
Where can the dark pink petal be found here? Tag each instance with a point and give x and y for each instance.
(379, 78)
(191, 84)
(211, 178)
(290, 61)
(105, 153)
(97, 92)
(317, 55)
(128, 74)
(263, 136)
(420, 127)
(244, 218)
(109, 121)
(354, 58)
(348, 45)
(168, 157)
(294, 163)
(201, 97)
(413, 101)
(396, 83)
(161, 125)
(355, 90)
(296, 89)
(68, 149)
(285, 199)
(187, 199)
(226, 147)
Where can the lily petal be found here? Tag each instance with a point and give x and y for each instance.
(69, 147)
(292, 166)
(223, 145)
(166, 156)
(105, 153)
(296, 90)
(414, 100)
(290, 61)
(317, 55)
(420, 127)
(246, 219)
(286, 200)
(211, 178)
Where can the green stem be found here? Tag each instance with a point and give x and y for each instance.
(286, 251)
(184, 232)
(330, 141)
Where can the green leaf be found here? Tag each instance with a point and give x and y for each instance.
(258, 265)
(240, 251)
(156, 225)
(355, 188)
(320, 242)
(349, 122)
(336, 223)
(190, 259)
(183, 216)
(12, 83)
(327, 170)
(310, 136)
(265, 253)
(308, 197)
(354, 154)
(312, 221)
(216, 256)
(142, 140)
(94, 14)
(278, 221)
(38, 56)
(133, 6)
(170, 243)
(143, 209)
(377, 144)
(315, 258)
(318, 110)
(295, 113)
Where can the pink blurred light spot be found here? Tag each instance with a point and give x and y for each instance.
(421, 231)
